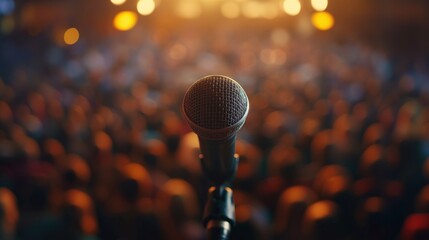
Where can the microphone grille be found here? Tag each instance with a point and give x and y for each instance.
(215, 102)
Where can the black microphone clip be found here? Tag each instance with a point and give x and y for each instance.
(219, 212)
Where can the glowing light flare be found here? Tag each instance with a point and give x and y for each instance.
(189, 9)
(230, 9)
(146, 7)
(71, 36)
(125, 20)
(322, 20)
(319, 5)
(117, 2)
(292, 7)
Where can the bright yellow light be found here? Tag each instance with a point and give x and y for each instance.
(118, 2)
(319, 5)
(71, 36)
(146, 7)
(230, 9)
(252, 9)
(292, 7)
(189, 9)
(125, 20)
(322, 20)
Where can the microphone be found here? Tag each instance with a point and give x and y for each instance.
(215, 108)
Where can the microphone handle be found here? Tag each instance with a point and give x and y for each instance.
(218, 159)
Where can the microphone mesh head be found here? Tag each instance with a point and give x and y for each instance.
(215, 107)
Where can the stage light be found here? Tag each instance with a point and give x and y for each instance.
(322, 20)
(146, 7)
(230, 9)
(117, 2)
(71, 36)
(319, 5)
(125, 20)
(189, 9)
(292, 7)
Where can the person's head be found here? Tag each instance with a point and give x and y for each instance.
(76, 173)
(373, 162)
(321, 221)
(78, 212)
(331, 180)
(291, 207)
(9, 214)
(135, 182)
(177, 202)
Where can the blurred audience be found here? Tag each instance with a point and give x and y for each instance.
(93, 145)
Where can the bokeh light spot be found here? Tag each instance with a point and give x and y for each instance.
(292, 7)
(118, 2)
(71, 36)
(270, 10)
(252, 9)
(146, 7)
(125, 20)
(189, 9)
(319, 5)
(322, 20)
(230, 9)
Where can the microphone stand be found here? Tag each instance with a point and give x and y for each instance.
(219, 212)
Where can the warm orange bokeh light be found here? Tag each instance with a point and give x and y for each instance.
(230, 9)
(71, 36)
(189, 9)
(118, 2)
(319, 5)
(251, 9)
(292, 7)
(323, 20)
(146, 7)
(125, 20)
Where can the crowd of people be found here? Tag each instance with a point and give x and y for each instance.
(93, 144)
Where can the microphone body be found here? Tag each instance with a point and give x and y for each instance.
(216, 107)
(218, 159)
